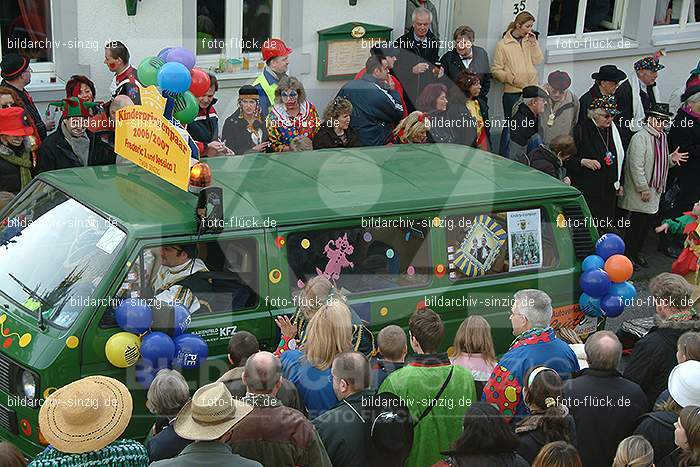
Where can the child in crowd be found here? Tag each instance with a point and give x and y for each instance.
(474, 350)
(687, 263)
(392, 349)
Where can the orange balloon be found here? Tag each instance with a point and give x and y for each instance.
(619, 268)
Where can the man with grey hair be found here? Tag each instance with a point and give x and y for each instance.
(601, 393)
(419, 53)
(274, 434)
(413, 5)
(535, 344)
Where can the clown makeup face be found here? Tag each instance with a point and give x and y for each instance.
(76, 125)
(114, 64)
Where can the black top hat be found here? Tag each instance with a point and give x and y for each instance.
(689, 92)
(13, 65)
(609, 73)
(534, 91)
(659, 109)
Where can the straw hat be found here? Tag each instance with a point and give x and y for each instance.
(684, 383)
(86, 415)
(210, 414)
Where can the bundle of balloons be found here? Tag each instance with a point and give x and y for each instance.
(153, 339)
(605, 277)
(173, 71)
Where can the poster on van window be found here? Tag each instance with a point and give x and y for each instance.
(525, 240)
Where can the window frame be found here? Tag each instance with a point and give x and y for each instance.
(684, 31)
(48, 67)
(233, 29)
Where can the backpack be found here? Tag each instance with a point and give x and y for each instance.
(389, 430)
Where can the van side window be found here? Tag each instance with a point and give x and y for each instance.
(222, 278)
(484, 244)
(360, 259)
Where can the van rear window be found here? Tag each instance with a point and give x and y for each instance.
(361, 259)
(496, 243)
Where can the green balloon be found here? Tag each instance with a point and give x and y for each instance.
(186, 107)
(147, 71)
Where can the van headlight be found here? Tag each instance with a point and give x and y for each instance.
(27, 384)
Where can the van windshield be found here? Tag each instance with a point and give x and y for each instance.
(54, 253)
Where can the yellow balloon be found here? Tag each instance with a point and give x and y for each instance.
(123, 349)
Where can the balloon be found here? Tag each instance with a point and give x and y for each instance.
(158, 348)
(174, 77)
(191, 351)
(590, 305)
(181, 55)
(625, 290)
(163, 54)
(608, 245)
(595, 282)
(619, 268)
(133, 315)
(612, 305)
(593, 262)
(200, 82)
(147, 71)
(171, 320)
(122, 349)
(186, 108)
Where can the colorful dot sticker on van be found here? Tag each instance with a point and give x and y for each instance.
(72, 342)
(275, 276)
(280, 241)
(440, 270)
(411, 271)
(389, 253)
(305, 243)
(26, 427)
(383, 311)
(367, 236)
(561, 221)
(436, 221)
(5, 331)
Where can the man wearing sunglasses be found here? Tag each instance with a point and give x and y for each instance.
(16, 75)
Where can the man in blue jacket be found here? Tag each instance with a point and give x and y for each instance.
(376, 108)
(535, 344)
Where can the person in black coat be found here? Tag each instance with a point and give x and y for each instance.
(654, 356)
(433, 101)
(550, 158)
(601, 393)
(685, 133)
(244, 131)
(607, 80)
(17, 149)
(16, 75)
(658, 428)
(466, 56)
(376, 108)
(416, 65)
(205, 126)
(336, 131)
(468, 107)
(526, 130)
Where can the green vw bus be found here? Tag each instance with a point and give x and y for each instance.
(454, 228)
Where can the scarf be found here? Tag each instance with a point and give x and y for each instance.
(24, 161)
(79, 144)
(637, 107)
(660, 171)
(619, 149)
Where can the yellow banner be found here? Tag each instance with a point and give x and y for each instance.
(150, 141)
(151, 97)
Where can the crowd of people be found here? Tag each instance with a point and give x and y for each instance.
(322, 399)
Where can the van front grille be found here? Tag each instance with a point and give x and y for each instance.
(8, 420)
(580, 233)
(5, 373)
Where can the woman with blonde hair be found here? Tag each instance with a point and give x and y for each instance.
(292, 115)
(329, 333)
(634, 451)
(412, 129)
(474, 350)
(558, 454)
(514, 62)
(317, 292)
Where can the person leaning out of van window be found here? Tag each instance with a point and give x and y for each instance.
(317, 292)
(550, 157)
(244, 131)
(514, 62)
(16, 146)
(291, 116)
(336, 131)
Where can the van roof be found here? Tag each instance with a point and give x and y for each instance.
(295, 188)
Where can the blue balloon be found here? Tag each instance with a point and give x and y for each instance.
(608, 245)
(182, 319)
(133, 315)
(163, 54)
(612, 305)
(593, 262)
(625, 290)
(174, 77)
(158, 349)
(145, 372)
(590, 305)
(191, 351)
(595, 282)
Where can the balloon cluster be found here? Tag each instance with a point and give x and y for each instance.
(604, 281)
(173, 71)
(153, 340)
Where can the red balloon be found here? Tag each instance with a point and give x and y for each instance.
(619, 268)
(200, 82)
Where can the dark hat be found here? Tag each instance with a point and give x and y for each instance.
(606, 103)
(189, 248)
(649, 63)
(559, 80)
(659, 109)
(13, 65)
(534, 91)
(609, 73)
(690, 92)
(385, 50)
(248, 91)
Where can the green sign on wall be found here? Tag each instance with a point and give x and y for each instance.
(344, 49)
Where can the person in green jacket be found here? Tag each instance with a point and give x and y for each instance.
(437, 393)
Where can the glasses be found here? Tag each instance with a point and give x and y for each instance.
(289, 94)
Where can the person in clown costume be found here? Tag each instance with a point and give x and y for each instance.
(687, 262)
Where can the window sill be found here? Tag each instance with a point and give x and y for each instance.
(592, 46)
(671, 35)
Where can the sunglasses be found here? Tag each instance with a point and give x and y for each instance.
(289, 94)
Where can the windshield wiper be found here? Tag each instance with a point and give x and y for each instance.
(35, 296)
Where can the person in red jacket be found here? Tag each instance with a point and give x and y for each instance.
(389, 53)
